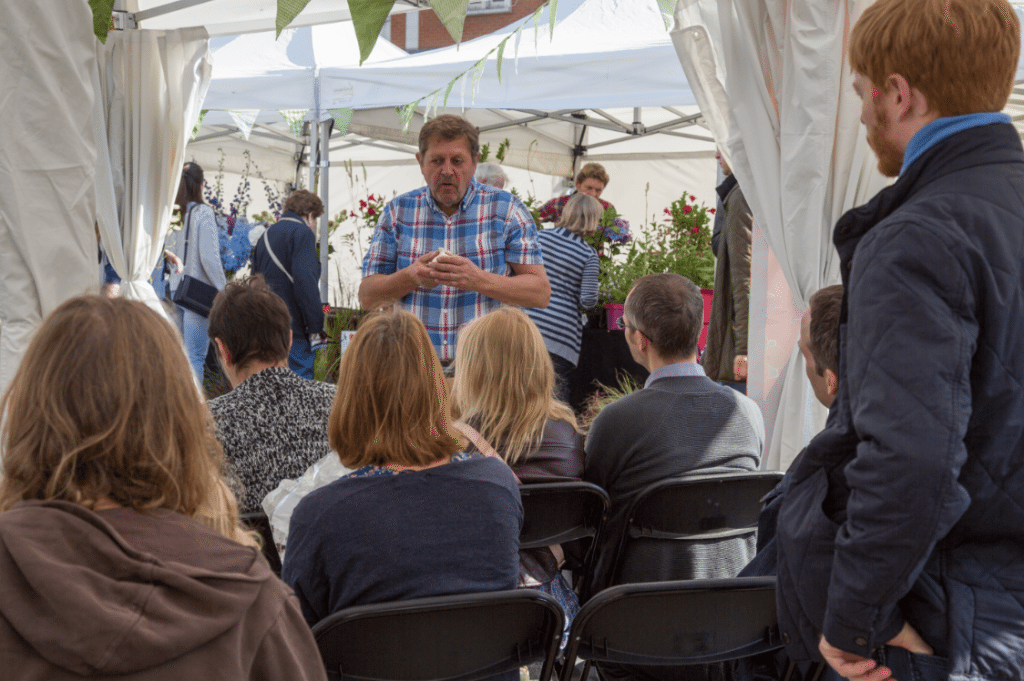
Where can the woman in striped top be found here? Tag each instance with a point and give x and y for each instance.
(572, 266)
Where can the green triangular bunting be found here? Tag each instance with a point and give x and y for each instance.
(102, 10)
(668, 11)
(294, 118)
(342, 119)
(452, 14)
(368, 17)
(287, 10)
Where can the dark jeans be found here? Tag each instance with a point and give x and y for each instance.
(301, 357)
(563, 374)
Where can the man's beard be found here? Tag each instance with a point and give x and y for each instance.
(890, 156)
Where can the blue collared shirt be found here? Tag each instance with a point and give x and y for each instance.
(675, 370)
(941, 128)
(492, 228)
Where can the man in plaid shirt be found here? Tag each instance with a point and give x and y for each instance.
(455, 249)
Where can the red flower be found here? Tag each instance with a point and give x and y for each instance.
(362, 204)
(371, 211)
(693, 198)
(695, 230)
(668, 212)
(711, 210)
(687, 210)
(327, 308)
(370, 198)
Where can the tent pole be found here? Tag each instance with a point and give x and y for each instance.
(325, 164)
(314, 149)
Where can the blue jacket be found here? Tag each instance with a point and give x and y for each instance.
(294, 244)
(909, 506)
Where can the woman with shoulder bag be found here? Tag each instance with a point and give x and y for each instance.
(198, 246)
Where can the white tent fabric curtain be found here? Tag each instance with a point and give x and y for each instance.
(47, 159)
(799, 154)
(149, 86)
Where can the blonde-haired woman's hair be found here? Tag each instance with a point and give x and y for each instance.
(504, 382)
(392, 400)
(581, 215)
(103, 407)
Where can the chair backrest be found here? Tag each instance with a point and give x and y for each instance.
(691, 527)
(689, 622)
(259, 522)
(456, 638)
(557, 512)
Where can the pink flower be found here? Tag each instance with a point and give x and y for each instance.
(668, 212)
(687, 210)
(693, 198)
(711, 210)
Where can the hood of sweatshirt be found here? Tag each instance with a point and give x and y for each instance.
(119, 591)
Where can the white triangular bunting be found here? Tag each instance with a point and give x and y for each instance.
(244, 119)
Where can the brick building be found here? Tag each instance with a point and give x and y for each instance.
(421, 29)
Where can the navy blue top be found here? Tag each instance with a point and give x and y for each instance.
(376, 537)
(294, 244)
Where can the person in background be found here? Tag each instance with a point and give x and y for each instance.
(120, 553)
(572, 266)
(591, 180)
(418, 516)
(504, 395)
(492, 174)
(455, 249)
(725, 354)
(273, 424)
(197, 246)
(286, 257)
(901, 537)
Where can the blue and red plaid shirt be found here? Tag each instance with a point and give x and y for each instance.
(492, 228)
(552, 210)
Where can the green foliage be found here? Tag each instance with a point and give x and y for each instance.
(533, 204)
(328, 359)
(485, 151)
(680, 243)
(605, 395)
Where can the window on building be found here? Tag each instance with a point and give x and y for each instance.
(488, 6)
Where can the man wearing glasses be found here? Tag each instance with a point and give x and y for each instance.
(680, 422)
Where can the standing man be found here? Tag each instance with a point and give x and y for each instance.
(901, 539)
(286, 257)
(446, 250)
(725, 355)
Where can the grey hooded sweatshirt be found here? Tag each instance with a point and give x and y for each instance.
(131, 595)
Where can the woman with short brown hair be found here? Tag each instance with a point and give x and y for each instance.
(419, 517)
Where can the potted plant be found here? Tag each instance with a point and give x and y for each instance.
(680, 242)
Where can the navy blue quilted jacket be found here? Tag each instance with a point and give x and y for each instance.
(294, 244)
(909, 506)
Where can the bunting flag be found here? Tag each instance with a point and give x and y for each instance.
(342, 119)
(244, 119)
(102, 13)
(287, 10)
(368, 17)
(668, 12)
(294, 118)
(452, 14)
(199, 123)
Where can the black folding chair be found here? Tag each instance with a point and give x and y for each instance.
(451, 638)
(691, 622)
(259, 522)
(691, 527)
(561, 512)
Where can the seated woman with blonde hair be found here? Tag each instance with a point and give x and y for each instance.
(417, 516)
(503, 392)
(119, 542)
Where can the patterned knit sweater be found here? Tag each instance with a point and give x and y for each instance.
(273, 426)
